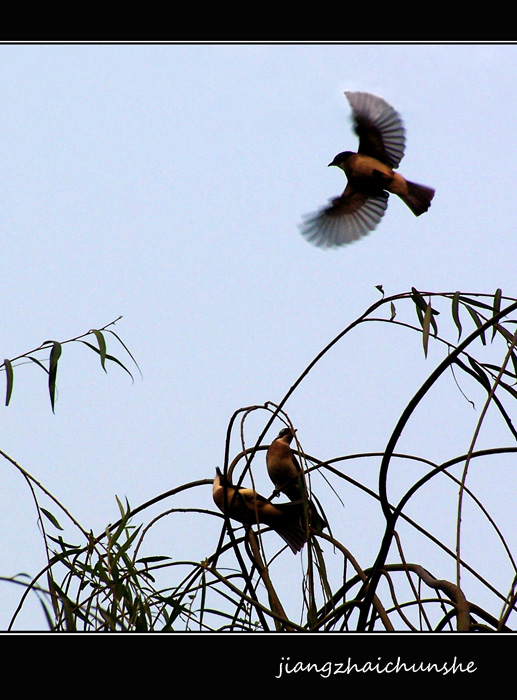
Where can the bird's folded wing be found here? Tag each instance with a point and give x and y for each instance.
(379, 127)
(346, 219)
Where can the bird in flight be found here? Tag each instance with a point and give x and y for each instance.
(371, 177)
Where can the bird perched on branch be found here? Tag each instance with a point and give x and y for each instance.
(371, 177)
(285, 472)
(249, 507)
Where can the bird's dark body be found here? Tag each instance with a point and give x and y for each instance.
(285, 472)
(250, 508)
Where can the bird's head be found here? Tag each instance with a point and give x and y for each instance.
(286, 432)
(341, 159)
(219, 478)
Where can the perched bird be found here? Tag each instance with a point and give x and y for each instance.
(249, 507)
(370, 174)
(285, 472)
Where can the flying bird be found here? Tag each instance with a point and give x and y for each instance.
(249, 507)
(371, 177)
(285, 472)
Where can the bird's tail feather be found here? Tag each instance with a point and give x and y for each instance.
(293, 535)
(418, 197)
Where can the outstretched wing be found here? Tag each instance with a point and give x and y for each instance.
(379, 127)
(345, 219)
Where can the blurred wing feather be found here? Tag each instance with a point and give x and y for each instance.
(379, 127)
(347, 219)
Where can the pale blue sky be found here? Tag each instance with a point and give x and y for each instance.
(165, 183)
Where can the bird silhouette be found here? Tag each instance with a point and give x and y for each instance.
(371, 177)
(249, 507)
(285, 472)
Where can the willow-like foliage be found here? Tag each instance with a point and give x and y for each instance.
(249, 582)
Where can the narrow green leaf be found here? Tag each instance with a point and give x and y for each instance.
(379, 287)
(432, 319)
(67, 548)
(481, 374)
(421, 302)
(424, 309)
(127, 350)
(49, 618)
(474, 302)
(9, 381)
(62, 558)
(478, 322)
(497, 300)
(68, 607)
(152, 559)
(511, 342)
(101, 572)
(109, 357)
(115, 534)
(496, 369)
(456, 312)
(102, 347)
(393, 311)
(508, 335)
(121, 508)
(124, 547)
(496, 309)
(418, 299)
(425, 327)
(55, 354)
(40, 364)
(420, 315)
(52, 518)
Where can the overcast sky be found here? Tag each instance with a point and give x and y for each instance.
(165, 183)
